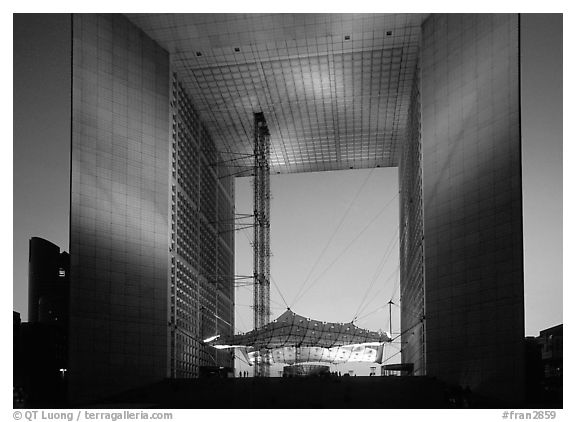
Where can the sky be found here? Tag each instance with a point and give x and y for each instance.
(306, 208)
(334, 243)
(541, 114)
(41, 140)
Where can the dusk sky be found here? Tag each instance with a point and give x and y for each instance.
(306, 208)
(339, 231)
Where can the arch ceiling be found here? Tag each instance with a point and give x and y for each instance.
(334, 88)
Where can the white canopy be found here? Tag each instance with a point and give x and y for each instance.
(292, 338)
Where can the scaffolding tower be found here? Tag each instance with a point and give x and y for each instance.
(261, 235)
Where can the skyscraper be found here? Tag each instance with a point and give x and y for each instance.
(151, 211)
(48, 283)
(162, 102)
(461, 206)
(41, 345)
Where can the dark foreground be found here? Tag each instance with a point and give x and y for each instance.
(301, 393)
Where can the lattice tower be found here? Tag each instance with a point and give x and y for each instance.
(261, 234)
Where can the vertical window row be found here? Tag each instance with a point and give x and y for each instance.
(202, 275)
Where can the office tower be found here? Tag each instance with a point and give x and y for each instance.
(16, 360)
(462, 207)
(41, 344)
(161, 102)
(48, 283)
(202, 243)
(151, 211)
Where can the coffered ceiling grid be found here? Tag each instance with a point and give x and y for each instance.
(334, 88)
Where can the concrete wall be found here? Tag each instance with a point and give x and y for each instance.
(472, 201)
(119, 208)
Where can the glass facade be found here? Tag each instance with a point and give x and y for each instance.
(412, 237)
(202, 243)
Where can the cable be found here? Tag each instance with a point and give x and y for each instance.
(277, 304)
(375, 295)
(240, 357)
(360, 233)
(407, 329)
(390, 357)
(376, 275)
(279, 292)
(271, 279)
(396, 285)
(385, 284)
(242, 322)
(370, 313)
(333, 234)
(379, 269)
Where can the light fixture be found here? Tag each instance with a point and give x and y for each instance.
(209, 339)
